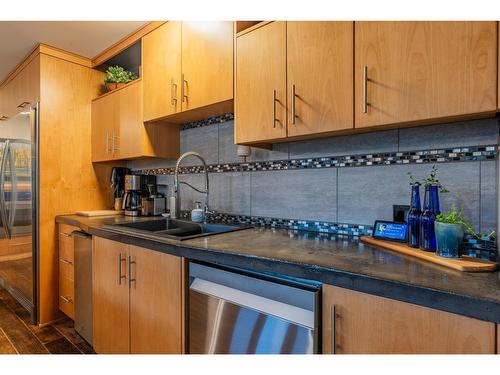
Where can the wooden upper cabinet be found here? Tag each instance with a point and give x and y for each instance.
(104, 120)
(21, 91)
(161, 71)
(418, 71)
(118, 131)
(110, 297)
(320, 77)
(367, 324)
(155, 303)
(261, 100)
(207, 63)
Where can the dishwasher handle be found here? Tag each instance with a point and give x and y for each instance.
(291, 313)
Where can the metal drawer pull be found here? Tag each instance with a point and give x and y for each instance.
(333, 328)
(184, 89)
(173, 92)
(3, 118)
(365, 89)
(65, 261)
(66, 299)
(130, 279)
(120, 276)
(294, 95)
(274, 109)
(66, 234)
(23, 104)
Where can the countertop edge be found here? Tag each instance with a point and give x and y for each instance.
(464, 305)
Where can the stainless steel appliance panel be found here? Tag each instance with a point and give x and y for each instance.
(83, 284)
(232, 313)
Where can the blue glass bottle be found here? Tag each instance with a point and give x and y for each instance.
(428, 217)
(414, 217)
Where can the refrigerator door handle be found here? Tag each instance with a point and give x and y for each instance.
(3, 214)
(13, 191)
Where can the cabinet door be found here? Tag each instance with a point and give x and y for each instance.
(320, 77)
(161, 71)
(260, 104)
(155, 302)
(368, 324)
(207, 63)
(110, 295)
(130, 134)
(23, 90)
(423, 70)
(104, 121)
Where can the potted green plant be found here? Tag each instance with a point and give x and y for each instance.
(449, 228)
(117, 77)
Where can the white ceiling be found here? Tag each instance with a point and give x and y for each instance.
(85, 38)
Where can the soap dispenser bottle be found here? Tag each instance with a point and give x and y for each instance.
(197, 213)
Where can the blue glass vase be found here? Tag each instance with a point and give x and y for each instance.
(428, 217)
(414, 218)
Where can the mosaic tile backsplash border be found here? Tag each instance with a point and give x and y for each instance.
(460, 154)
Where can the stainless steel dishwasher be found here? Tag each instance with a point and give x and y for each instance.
(83, 284)
(242, 312)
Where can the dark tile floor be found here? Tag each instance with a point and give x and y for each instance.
(19, 335)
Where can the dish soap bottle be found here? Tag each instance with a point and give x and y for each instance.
(197, 213)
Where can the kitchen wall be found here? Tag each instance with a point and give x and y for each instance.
(316, 189)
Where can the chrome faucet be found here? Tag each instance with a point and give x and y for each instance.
(175, 202)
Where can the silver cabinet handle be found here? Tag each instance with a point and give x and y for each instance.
(184, 89)
(173, 92)
(66, 299)
(294, 95)
(107, 143)
(23, 104)
(130, 279)
(332, 311)
(120, 276)
(65, 261)
(365, 89)
(3, 118)
(115, 141)
(66, 234)
(274, 109)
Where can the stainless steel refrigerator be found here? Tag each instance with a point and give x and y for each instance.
(18, 181)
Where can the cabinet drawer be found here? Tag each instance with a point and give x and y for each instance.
(67, 296)
(66, 248)
(66, 269)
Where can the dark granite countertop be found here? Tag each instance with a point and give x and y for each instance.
(335, 260)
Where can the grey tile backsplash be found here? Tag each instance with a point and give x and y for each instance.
(346, 195)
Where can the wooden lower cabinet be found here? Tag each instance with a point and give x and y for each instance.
(498, 338)
(67, 270)
(110, 297)
(137, 299)
(367, 324)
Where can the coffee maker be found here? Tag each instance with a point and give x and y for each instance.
(135, 189)
(118, 183)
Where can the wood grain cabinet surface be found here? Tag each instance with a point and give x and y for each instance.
(187, 66)
(320, 77)
(137, 299)
(260, 105)
(420, 71)
(309, 65)
(118, 131)
(67, 270)
(161, 71)
(367, 324)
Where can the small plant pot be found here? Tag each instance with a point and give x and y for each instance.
(449, 238)
(110, 86)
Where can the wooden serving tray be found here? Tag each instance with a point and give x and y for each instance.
(464, 264)
(99, 213)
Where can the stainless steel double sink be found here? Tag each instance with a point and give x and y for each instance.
(174, 228)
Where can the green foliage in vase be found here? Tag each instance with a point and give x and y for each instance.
(432, 180)
(116, 74)
(455, 216)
